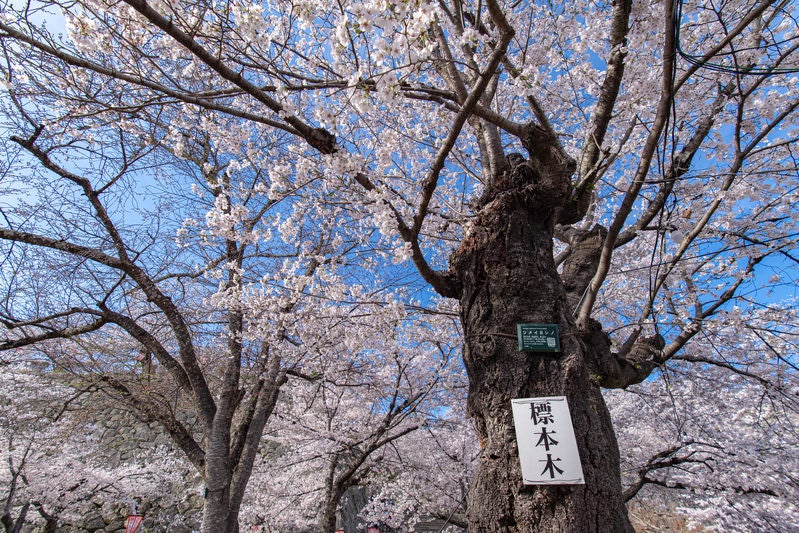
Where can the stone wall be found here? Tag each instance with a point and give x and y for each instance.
(123, 439)
(120, 443)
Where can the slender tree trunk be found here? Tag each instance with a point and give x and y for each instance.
(50, 520)
(327, 520)
(216, 507)
(11, 525)
(508, 276)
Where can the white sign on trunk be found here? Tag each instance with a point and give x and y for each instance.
(547, 447)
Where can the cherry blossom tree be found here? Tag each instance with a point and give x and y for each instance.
(428, 476)
(25, 433)
(382, 395)
(624, 170)
(719, 447)
(727, 465)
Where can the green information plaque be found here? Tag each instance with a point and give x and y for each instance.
(538, 337)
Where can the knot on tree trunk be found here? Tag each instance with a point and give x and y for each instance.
(545, 149)
(644, 349)
(541, 181)
(525, 183)
(556, 169)
(322, 140)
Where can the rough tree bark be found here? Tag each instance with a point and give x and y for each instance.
(507, 273)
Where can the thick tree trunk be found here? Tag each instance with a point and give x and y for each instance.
(508, 276)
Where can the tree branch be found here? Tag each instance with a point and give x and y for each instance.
(201, 101)
(663, 108)
(318, 138)
(154, 294)
(603, 110)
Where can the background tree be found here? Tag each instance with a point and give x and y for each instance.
(25, 433)
(653, 199)
(728, 466)
(427, 476)
(343, 430)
